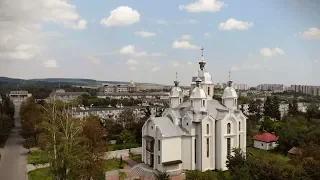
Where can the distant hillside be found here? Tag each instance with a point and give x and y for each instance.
(61, 81)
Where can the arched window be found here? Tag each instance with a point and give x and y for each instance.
(208, 90)
(208, 131)
(180, 100)
(239, 126)
(228, 128)
(191, 102)
(203, 103)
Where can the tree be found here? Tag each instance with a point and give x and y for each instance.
(275, 108)
(237, 165)
(255, 110)
(6, 118)
(293, 108)
(162, 175)
(268, 108)
(127, 118)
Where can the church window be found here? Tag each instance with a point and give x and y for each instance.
(195, 150)
(208, 147)
(180, 100)
(187, 124)
(203, 103)
(239, 141)
(208, 90)
(228, 147)
(158, 159)
(208, 129)
(159, 147)
(239, 126)
(191, 102)
(228, 128)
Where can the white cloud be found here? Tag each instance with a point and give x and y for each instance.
(154, 69)
(232, 24)
(121, 16)
(162, 22)
(188, 21)
(190, 63)
(132, 62)
(145, 33)
(234, 68)
(207, 35)
(132, 68)
(183, 45)
(51, 63)
(157, 54)
(130, 50)
(315, 61)
(94, 60)
(203, 6)
(271, 52)
(186, 37)
(312, 33)
(82, 24)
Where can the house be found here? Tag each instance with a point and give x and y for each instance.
(196, 134)
(294, 151)
(265, 141)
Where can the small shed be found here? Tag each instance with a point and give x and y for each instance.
(265, 141)
(294, 151)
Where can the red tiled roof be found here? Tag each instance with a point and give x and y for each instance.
(265, 137)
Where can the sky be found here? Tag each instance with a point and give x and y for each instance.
(274, 41)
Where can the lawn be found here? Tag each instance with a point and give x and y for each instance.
(136, 158)
(114, 164)
(261, 153)
(37, 157)
(114, 147)
(40, 174)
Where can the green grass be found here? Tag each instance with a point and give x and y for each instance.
(40, 174)
(136, 158)
(114, 164)
(262, 153)
(114, 147)
(37, 157)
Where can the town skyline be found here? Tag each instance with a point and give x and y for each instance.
(277, 44)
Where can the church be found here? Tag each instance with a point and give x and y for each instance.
(198, 133)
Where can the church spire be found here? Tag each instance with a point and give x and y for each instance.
(202, 62)
(176, 82)
(230, 80)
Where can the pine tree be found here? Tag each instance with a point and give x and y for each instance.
(275, 108)
(293, 108)
(268, 108)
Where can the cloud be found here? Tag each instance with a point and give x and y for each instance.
(157, 54)
(186, 37)
(188, 21)
(121, 16)
(232, 24)
(154, 69)
(94, 60)
(189, 63)
(132, 62)
(174, 64)
(234, 68)
(162, 22)
(315, 61)
(203, 6)
(207, 35)
(51, 63)
(145, 33)
(130, 50)
(271, 52)
(312, 34)
(132, 68)
(183, 45)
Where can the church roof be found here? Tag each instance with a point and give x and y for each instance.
(229, 92)
(176, 92)
(198, 93)
(167, 128)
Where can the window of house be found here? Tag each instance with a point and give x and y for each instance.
(159, 147)
(187, 124)
(203, 103)
(261, 144)
(208, 132)
(208, 147)
(158, 159)
(228, 128)
(195, 150)
(228, 147)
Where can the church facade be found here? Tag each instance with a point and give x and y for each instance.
(195, 134)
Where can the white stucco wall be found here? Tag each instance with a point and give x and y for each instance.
(208, 163)
(264, 145)
(171, 149)
(186, 156)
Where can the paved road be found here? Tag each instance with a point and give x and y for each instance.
(14, 156)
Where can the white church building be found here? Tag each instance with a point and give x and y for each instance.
(195, 134)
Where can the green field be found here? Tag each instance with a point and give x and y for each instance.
(40, 174)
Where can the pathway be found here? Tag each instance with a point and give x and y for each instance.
(14, 156)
